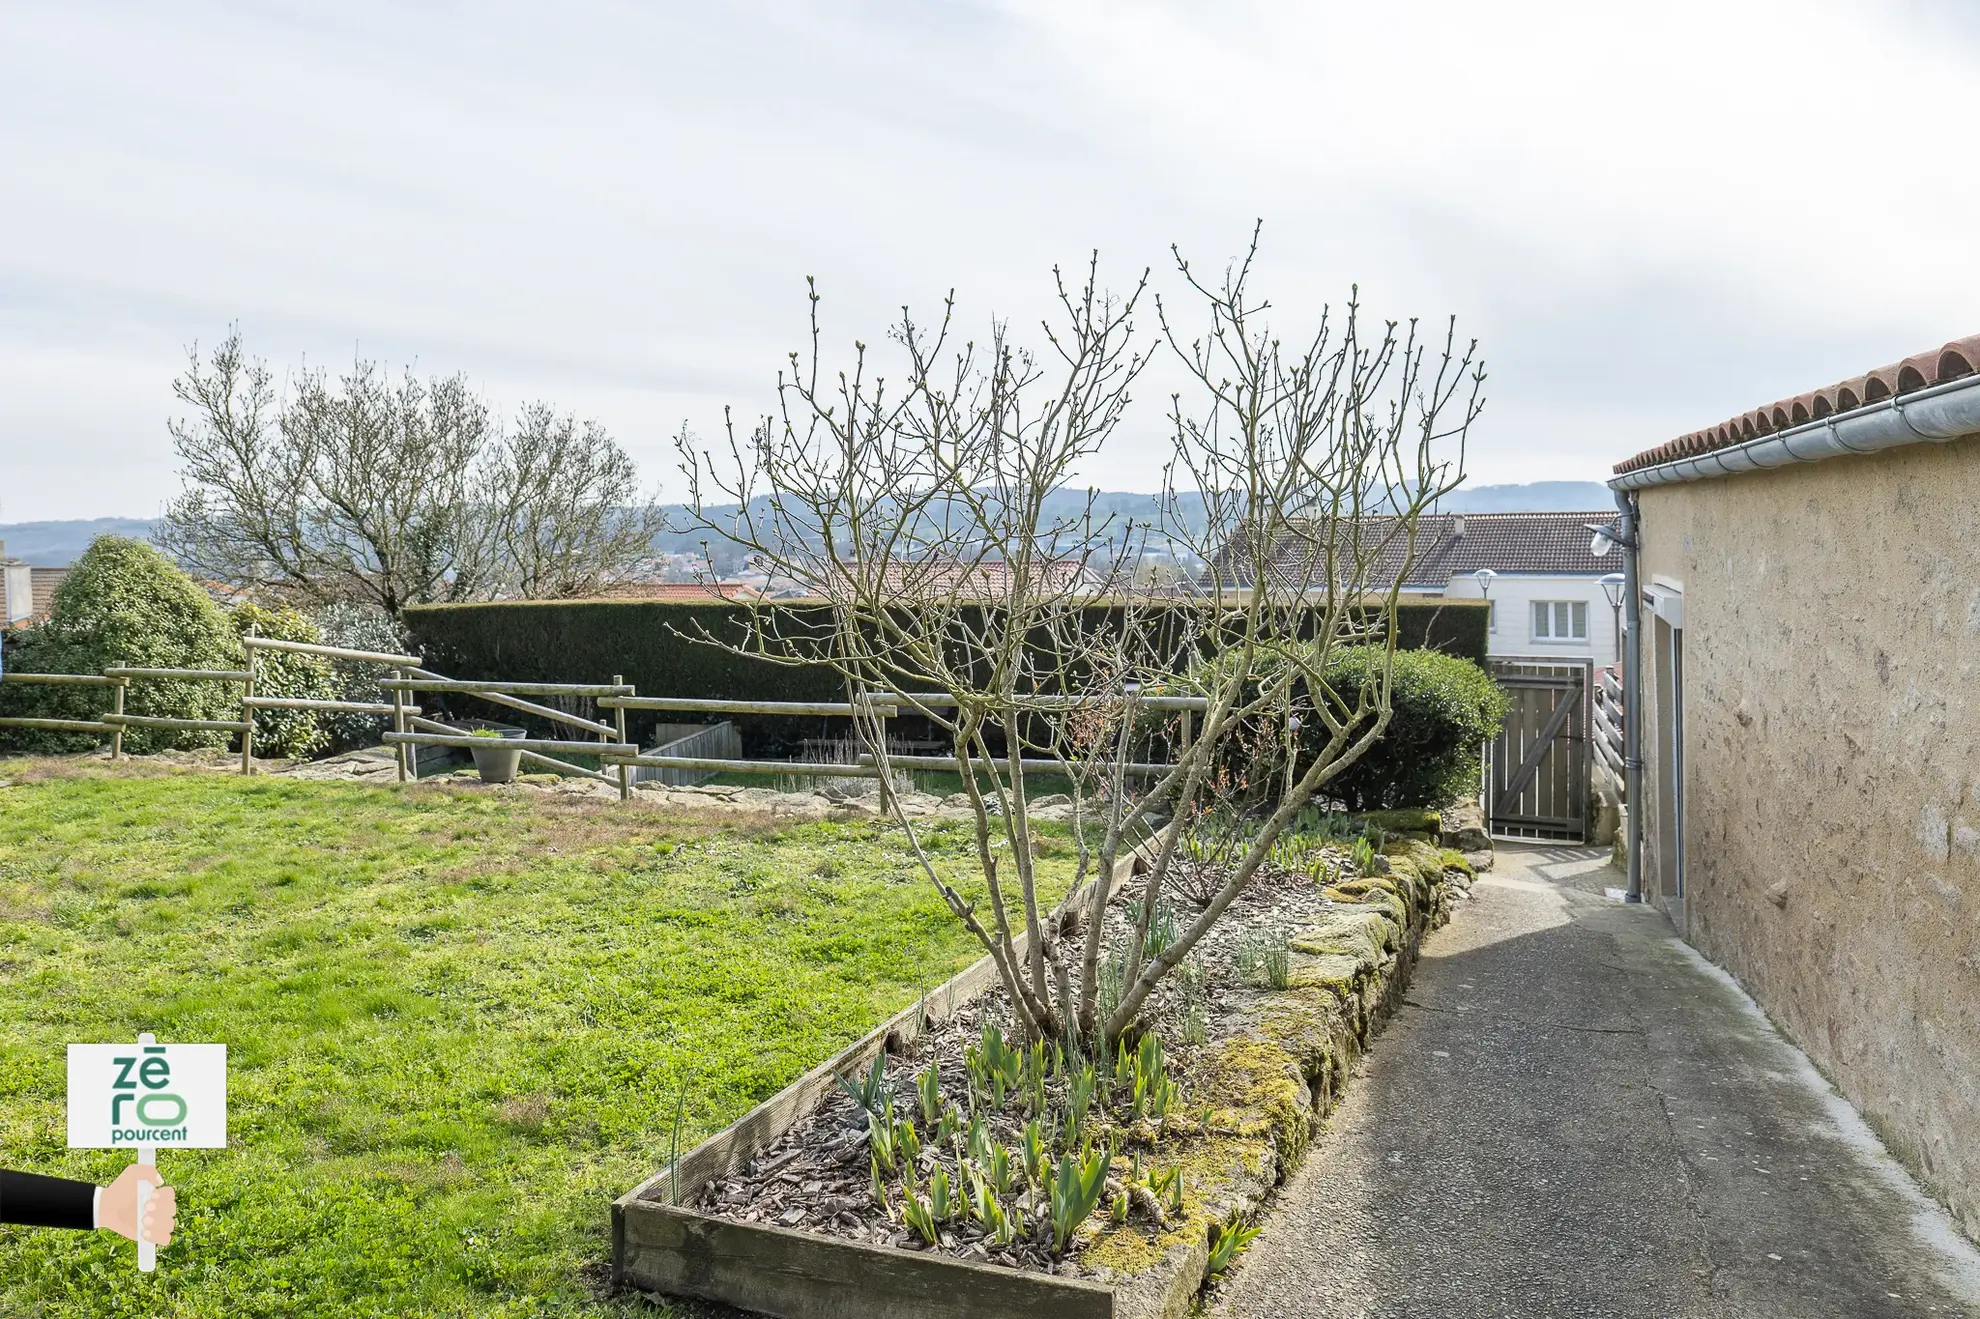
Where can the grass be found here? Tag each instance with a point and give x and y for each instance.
(456, 1020)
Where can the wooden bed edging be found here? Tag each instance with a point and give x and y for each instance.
(779, 1271)
(669, 1248)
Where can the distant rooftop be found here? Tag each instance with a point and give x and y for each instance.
(1454, 544)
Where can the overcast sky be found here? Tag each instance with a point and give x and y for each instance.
(1652, 216)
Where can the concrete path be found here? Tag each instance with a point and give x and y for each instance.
(1574, 1115)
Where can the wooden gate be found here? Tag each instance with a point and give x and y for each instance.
(1536, 773)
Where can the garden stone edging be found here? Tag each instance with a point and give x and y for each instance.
(1288, 1065)
(1274, 1080)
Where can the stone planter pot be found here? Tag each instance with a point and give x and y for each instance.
(495, 762)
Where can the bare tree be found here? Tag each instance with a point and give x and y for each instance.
(391, 491)
(569, 513)
(917, 511)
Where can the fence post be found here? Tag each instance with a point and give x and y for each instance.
(399, 720)
(887, 774)
(1188, 728)
(625, 771)
(117, 707)
(247, 715)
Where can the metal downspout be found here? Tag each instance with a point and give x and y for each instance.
(1630, 526)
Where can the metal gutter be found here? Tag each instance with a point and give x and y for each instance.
(1933, 415)
(1629, 526)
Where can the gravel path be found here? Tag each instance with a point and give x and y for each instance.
(1574, 1116)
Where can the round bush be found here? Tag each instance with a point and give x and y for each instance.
(1442, 710)
(125, 604)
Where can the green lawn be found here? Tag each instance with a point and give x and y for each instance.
(456, 1021)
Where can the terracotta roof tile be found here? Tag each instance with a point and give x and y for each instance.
(1936, 366)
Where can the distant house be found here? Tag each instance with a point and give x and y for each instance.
(27, 593)
(1544, 584)
(1809, 810)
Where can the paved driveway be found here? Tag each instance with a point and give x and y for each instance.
(1573, 1115)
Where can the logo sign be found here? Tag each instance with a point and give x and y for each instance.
(171, 1096)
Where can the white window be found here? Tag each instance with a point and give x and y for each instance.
(1560, 620)
(1491, 615)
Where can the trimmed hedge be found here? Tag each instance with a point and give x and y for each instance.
(646, 641)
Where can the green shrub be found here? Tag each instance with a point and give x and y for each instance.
(353, 626)
(125, 604)
(291, 734)
(1443, 709)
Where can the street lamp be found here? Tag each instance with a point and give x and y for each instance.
(1484, 578)
(1612, 586)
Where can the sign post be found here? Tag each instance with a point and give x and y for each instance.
(144, 1097)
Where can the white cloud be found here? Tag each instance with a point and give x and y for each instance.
(1653, 216)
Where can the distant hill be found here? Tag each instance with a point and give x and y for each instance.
(1534, 497)
(59, 544)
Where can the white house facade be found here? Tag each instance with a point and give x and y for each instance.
(1552, 597)
(1546, 615)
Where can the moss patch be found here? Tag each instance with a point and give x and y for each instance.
(1414, 820)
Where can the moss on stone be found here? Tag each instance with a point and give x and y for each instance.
(1454, 860)
(1333, 971)
(1362, 932)
(1413, 820)
(1254, 1094)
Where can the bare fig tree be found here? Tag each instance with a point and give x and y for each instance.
(916, 509)
(392, 491)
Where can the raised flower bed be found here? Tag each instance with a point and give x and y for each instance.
(942, 1183)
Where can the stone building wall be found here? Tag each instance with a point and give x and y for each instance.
(1831, 669)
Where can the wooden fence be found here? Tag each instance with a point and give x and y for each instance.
(694, 754)
(1607, 725)
(102, 726)
(1537, 769)
(721, 742)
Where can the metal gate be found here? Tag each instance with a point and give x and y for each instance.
(1536, 773)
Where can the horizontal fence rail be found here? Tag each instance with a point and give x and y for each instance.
(1030, 765)
(469, 687)
(181, 675)
(792, 767)
(526, 707)
(941, 701)
(64, 679)
(695, 705)
(58, 725)
(161, 721)
(328, 652)
(307, 703)
(469, 742)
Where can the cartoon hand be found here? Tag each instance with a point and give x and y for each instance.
(118, 1209)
